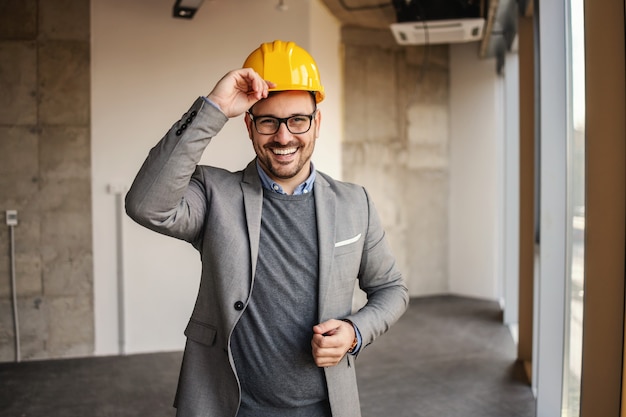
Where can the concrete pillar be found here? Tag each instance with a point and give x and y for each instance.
(45, 175)
(396, 145)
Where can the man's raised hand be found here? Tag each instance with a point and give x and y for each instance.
(238, 90)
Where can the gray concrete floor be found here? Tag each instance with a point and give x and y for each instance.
(447, 357)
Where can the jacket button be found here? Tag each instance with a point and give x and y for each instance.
(239, 306)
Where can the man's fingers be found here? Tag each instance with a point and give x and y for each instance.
(261, 87)
(328, 327)
(327, 357)
(328, 349)
(238, 90)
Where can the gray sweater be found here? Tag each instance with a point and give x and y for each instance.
(273, 337)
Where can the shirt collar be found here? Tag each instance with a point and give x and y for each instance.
(268, 184)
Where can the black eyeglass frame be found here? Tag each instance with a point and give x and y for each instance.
(282, 120)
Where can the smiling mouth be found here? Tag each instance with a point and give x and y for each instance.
(284, 151)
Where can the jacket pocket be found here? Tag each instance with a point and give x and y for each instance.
(348, 241)
(350, 245)
(201, 332)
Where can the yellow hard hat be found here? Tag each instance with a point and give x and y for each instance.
(288, 66)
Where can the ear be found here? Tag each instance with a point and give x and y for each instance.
(248, 122)
(317, 122)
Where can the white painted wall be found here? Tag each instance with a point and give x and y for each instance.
(325, 45)
(476, 130)
(147, 69)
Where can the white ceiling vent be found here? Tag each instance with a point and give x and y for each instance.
(438, 31)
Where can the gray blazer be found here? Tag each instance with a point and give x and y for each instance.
(219, 213)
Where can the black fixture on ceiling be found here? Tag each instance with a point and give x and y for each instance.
(423, 10)
(186, 9)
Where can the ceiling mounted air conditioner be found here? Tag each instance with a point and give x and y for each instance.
(438, 31)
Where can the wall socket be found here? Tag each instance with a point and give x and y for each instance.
(11, 217)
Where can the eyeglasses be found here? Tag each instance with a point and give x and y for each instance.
(269, 125)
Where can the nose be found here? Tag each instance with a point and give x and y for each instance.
(283, 135)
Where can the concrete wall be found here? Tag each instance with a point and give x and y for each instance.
(424, 133)
(397, 145)
(45, 175)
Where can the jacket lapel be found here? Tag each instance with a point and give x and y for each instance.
(253, 205)
(325, 216)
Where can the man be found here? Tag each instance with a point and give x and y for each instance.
(272, 332)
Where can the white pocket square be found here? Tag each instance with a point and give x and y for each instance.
(348, 241)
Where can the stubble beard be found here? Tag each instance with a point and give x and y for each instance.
(282, 171)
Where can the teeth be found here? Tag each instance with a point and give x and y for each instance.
(286, 151)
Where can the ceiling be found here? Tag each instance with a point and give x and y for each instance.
(371, 14)
(500, 28)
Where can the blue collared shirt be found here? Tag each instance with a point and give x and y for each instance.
(267, 183)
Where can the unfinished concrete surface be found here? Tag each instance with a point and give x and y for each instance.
(45, 175)
(396, 145)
